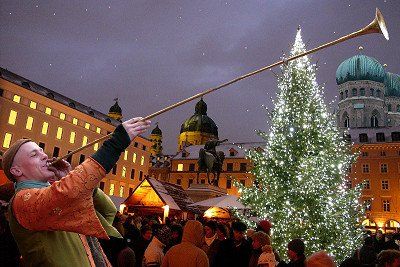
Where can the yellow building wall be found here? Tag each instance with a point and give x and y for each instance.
(374, 156)
(19, 131)
(185, 176)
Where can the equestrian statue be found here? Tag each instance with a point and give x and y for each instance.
(211, 161)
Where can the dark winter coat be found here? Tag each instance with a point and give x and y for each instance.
(233, 256)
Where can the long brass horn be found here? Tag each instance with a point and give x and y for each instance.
(378, 25)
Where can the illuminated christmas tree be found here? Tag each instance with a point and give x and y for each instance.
(300, 176)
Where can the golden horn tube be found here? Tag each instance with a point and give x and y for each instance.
(378, 25)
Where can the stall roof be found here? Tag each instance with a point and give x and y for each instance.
(152, 192)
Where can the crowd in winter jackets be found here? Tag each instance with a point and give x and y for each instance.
(150, 243)
(220, 244)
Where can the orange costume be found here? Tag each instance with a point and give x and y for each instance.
(58, 224)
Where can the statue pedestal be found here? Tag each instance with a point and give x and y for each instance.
(200, 192)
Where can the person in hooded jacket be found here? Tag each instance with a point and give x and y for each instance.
(188, 252)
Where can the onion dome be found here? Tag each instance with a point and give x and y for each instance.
(156, 131)
(115, 108)
(200, 122)
(392, 83)
(360, 67)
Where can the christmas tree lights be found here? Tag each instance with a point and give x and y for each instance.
(300, 176)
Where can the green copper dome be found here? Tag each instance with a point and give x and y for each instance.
(200, 122)
(360, 67)
(392, 83)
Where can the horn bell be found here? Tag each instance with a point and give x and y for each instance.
(378, 25)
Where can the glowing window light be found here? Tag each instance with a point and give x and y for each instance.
(75, 121)
(180, 167)
(121, 191)
(62, 116)
(96, 147)
(87, 125)
(17, 98)
(84, 141)
(29, 123)
(72, 137)
(59, 133)
(7, 140)
(134, 158)
(111, 192)
(13, 117)
(48, 111)
(142, 160)
(126, 155)
(45, 128)
(33, 105)
(123, 171)
(98, 130)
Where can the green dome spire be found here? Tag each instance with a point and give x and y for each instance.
(392, 83)
(360, 67)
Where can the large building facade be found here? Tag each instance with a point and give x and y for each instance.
(60, 125)
(369, 115)
(236, 167)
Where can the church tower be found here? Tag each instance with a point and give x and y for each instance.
(115, 111)
(156, 139)
(197, 129)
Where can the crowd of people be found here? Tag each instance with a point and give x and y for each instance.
(212, 243)
(59, 217)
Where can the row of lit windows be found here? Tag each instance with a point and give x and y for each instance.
(112, 189)
(382, 153)
(366, 184)
(228, 184)
(124, 172)
(383, 168)
(229, 167)
(48, 111)
(385, 205)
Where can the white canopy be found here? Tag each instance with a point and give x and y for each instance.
(226, 201)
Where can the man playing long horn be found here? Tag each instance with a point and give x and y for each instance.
(57, 225)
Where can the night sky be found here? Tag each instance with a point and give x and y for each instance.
(151, 54)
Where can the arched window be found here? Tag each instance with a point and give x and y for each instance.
(354, 92)
(389, 107)
(341, 95)
(362, 92)
(398, 108)
(346, 122)
(371, 92)
(378, 93)
(374, 121)
(346, 94)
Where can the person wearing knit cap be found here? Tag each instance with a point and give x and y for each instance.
(154, 252)
(295, 253)
(265, 226)
(57, 224)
